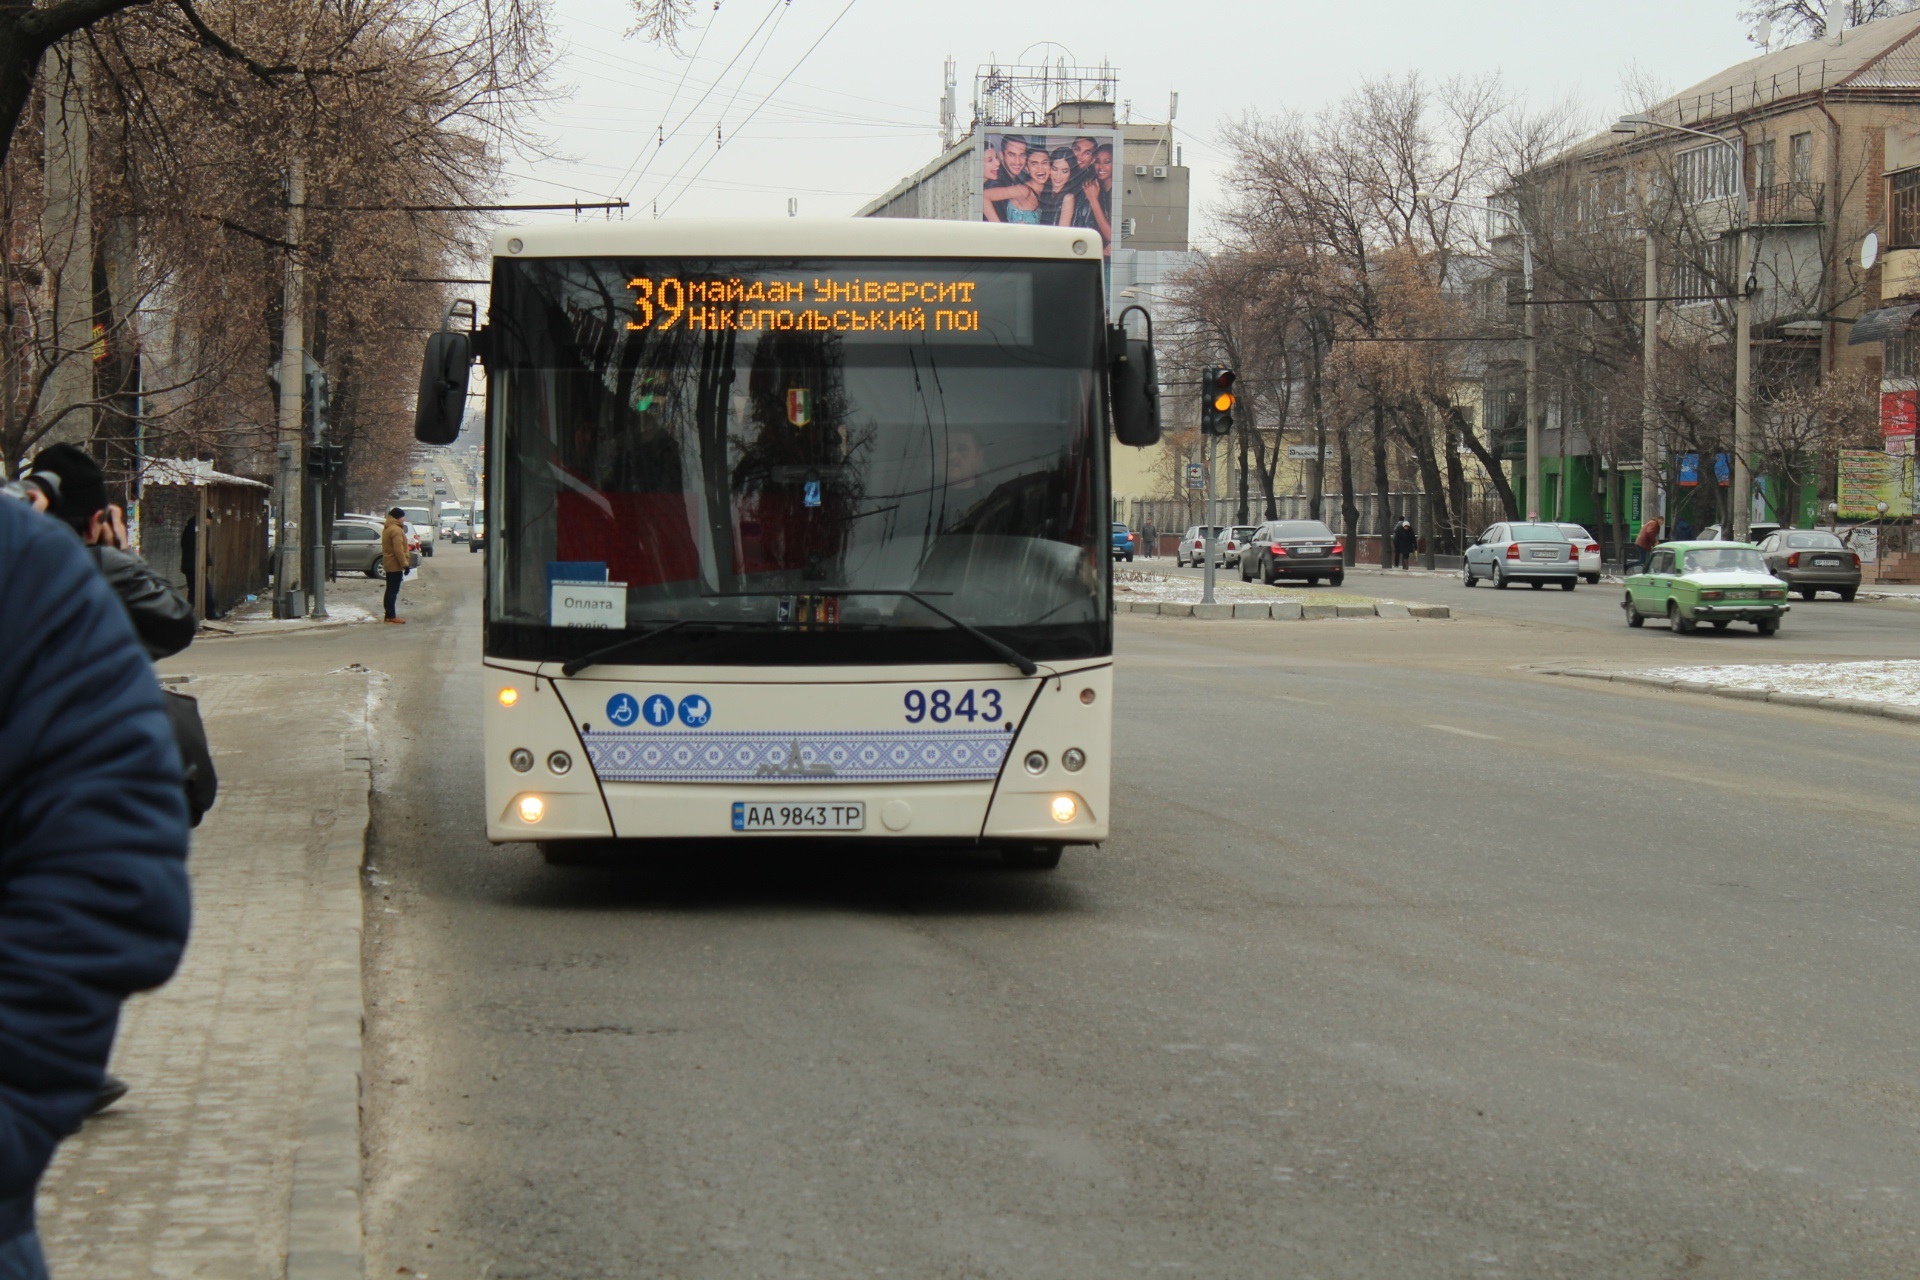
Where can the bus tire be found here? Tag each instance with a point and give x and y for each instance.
(1031, 857)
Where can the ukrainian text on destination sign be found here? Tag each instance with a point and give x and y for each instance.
(819, 305)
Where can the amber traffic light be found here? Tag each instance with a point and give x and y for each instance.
(1216, 401)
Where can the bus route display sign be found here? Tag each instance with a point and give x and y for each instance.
(809, 304)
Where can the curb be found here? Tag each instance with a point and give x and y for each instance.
(324, 1239)
(1851, 706)
(1285, 610)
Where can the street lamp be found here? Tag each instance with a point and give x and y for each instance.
(1532, 344)
(1742, 321)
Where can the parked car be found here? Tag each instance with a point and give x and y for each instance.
(1516, 551)
(420, 521)
(1755, 532)
(1193, 544)
(1226, 547)
(1589, 550)
(1811, 561)
(1293, 549)
(1124, 542)
(355, 546)
(1720, 583)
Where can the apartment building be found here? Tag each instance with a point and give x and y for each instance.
(1767, 177)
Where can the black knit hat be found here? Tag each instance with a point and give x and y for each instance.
(76, 486)
(397, 514)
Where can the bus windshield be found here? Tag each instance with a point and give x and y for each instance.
(766, 461)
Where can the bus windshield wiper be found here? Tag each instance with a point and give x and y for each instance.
(1005, 652)
(574, 666)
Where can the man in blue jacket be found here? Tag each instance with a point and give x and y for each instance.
(93, 845)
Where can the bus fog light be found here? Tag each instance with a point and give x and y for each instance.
(509, 696)
(559, 762)
(521, 759)
(1075, 759)
(1065, 808)
(1036, 762)
(533, 808)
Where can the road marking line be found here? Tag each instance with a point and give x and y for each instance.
(1465, 733)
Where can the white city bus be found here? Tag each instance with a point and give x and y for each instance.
(798, 528)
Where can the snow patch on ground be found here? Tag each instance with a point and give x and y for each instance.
(1893, 683)
(1132, 584)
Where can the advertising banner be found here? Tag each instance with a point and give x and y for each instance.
(1897, 413)
(1869, 477)
(1052, 178)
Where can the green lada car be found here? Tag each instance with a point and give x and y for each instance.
(1689, 583)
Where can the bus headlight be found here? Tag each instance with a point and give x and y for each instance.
(521, 759)
(1065, 808)
(533, 808)
(559, 762)
(1074, 758)
(509, 696)
(1036, 762)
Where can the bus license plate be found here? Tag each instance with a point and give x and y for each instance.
(752, 815)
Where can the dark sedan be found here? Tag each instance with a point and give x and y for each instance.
(1810, 561)
(1293, 549)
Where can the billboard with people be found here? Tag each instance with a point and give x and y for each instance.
(1052, 178)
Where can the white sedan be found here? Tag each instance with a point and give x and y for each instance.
(1589, 550)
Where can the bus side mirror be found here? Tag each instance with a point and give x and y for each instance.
(442, 406)
(1135, 389)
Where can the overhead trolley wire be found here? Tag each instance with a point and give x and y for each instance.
(798, 63)
(674, 97)
(674, 132)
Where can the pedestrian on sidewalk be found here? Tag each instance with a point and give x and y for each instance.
(93, 846)
(1649, 538)
(1404, 542)
(1149, 538)
(394, 559)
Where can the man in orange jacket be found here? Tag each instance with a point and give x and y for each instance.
(394, 559)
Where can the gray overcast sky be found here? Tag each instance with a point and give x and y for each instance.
(862, 111)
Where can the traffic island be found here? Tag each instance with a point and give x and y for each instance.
(1819, 685)
(1283, 610)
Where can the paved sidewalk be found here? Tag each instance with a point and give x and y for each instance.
(236, 1154)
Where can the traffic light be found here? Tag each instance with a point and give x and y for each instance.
(1216, 401)
(327, 462)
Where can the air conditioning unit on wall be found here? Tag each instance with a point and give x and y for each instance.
(1139, 171)
(1159, 171)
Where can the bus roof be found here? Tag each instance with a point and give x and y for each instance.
(799, 238)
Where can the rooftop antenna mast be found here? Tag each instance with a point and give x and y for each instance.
(950, 105)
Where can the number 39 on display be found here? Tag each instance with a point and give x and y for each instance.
(940, 706)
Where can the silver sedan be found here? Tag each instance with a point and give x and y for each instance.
(1517, 551)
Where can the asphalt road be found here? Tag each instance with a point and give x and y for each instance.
(1821, 628)
(1402, 962)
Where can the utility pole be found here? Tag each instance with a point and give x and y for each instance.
(317, 522)
(1650, 463)
(1742, 380)
(293, 344)
(1206, 532)
(1534, 406)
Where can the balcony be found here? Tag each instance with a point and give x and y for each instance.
(1790, 204)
